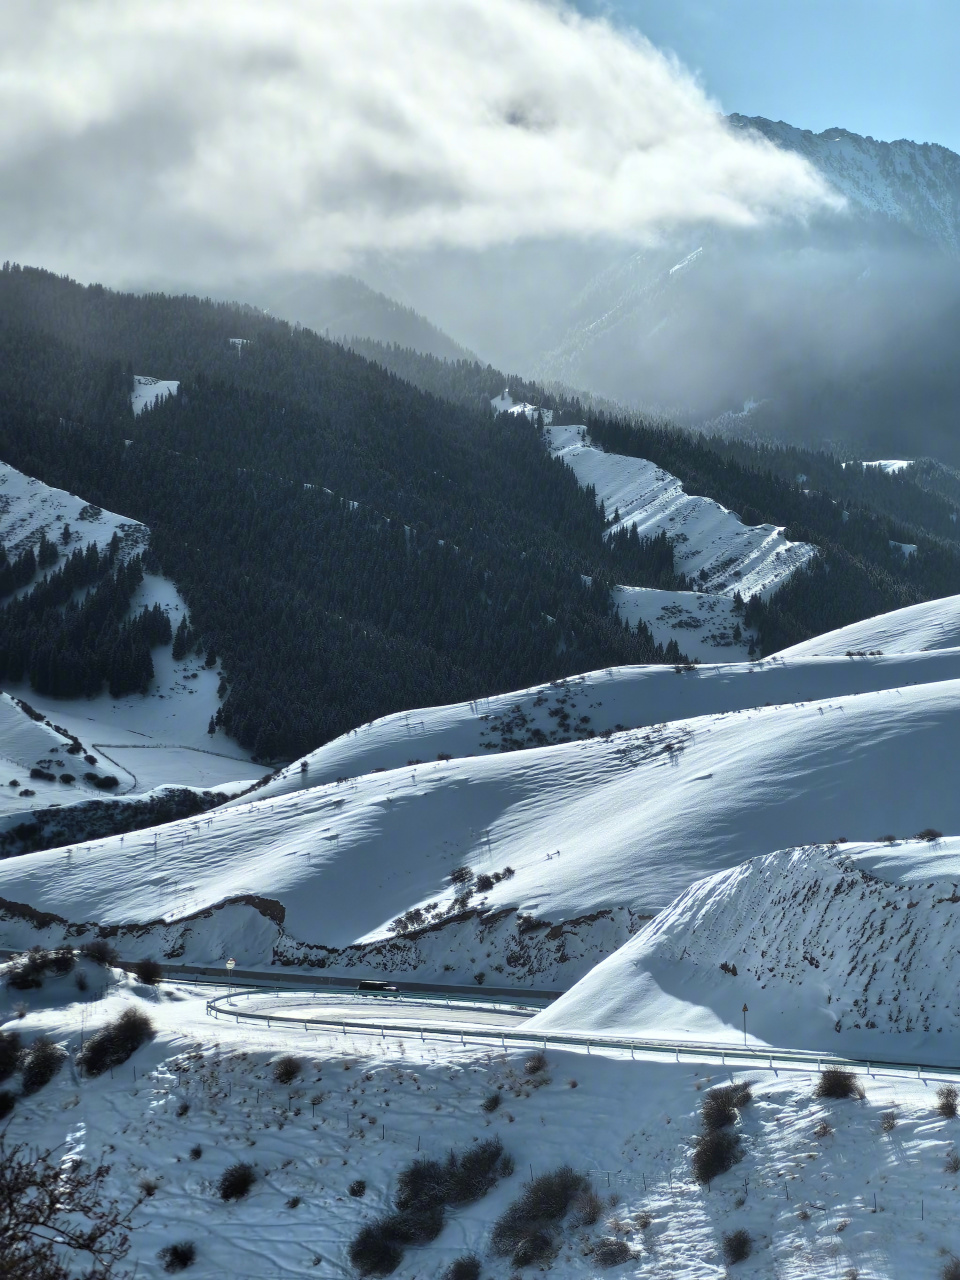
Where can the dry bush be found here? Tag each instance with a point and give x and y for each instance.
(952, 1162)
(644, 1220)
(374, 1254)
(466, 1267)
(286, 1069)
(835, 1082)
(357, 1189)
(823, 1129)
(100, 951)
(8, 1101)
(947, 1101)
(737, 1246)
(715, 1153)
(536, 1063)
(951, 1269)
(611, 1253)
(148, 1187)
(413, 1226)
(236, 1181)
(491, 1102)
(888, 1121)
(295, 1202)
(182, 1109)
(115, 1043)
(721, 1105)
(525, 1228)
(148, 972)
(177, 1257)
(472, 1173)
(40, 1063)
(587, 1208)
(196, 1152)
(10, 1050)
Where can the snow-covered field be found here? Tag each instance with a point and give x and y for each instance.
(700, 623)
(29, 508)
(825, 1188)
(934, 624)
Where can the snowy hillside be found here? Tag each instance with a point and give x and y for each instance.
(847, 948)
(558, 833)
(823, 1189)
(145, 741)
(598, 702)
(710, 542)
(916, 185)
(934, 624)
(149, 391)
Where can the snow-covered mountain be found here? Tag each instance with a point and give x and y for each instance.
(914, 185)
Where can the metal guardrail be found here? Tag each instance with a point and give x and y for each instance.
(728, 1054)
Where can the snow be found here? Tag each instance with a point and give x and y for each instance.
(626, 822)
(934, 624)
(150, 391)
(504, 403)
(172, 718)
(364, 1109)
(848, 949)
(706, 536)
(888, 465)
(700, 623)
(685, 262)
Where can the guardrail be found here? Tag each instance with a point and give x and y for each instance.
(798, 1059)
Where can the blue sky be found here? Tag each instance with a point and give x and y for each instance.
(883, 67)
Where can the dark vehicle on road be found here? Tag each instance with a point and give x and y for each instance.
(368, 984)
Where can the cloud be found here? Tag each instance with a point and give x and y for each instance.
(174, 137)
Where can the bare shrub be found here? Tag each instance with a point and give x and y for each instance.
(286, 1069)
(952, 1162)
(888, 1122)
(413, 1226)
(8, 1101)
(491, 1102)
(10, 1049)
(196, 1152)
(26, 972)
(823, 1129)
(612, 1253)
(149, 1187)
(182, 1109)
(57, 1219)
(100, 951)
(236, 1181)
(466, 1267)
(544, 1201)
(373, 1253)
(929, 834)
(113, 1044)
(536, 1063)
(421, 1185)
(148, 972)
(357, 1189)
(721, 1106)
(951, 1269)
(40, 1063)
(62, 961)
(539, 1246)
(295, 1202)
(947, 1101)
(835, 1082)
(737, 1246)
(177, 1257)
(587, 1208)
(716, 1152)
(470, 1174)
(644, 1220)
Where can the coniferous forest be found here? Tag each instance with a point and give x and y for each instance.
(350, 543)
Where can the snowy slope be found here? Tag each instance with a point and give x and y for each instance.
(149, 391)
(916, 185)
(850, 949)
(628, 822)
(203, 1095)
(172, 718)
(934, 624)
(613, 698)
(703, 625)
(706, 536)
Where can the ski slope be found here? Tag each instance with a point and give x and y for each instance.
(934, 624)
(626, 822)
(849, 948)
